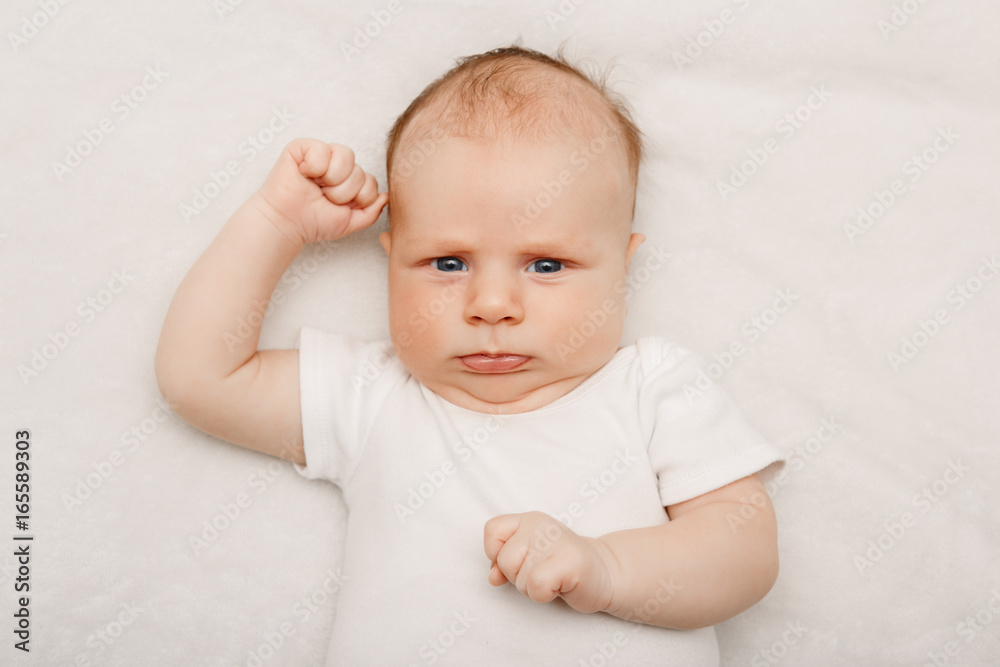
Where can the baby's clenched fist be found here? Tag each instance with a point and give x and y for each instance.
(544, 559)
(316, 192)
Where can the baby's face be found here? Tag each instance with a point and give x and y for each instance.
(491, 253)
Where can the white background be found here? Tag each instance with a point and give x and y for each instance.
(873, 572)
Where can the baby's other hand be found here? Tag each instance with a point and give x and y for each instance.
(544, 559)
(316, 192)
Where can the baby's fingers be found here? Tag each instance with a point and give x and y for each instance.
(368, 192)
(327, 164)
(543, 581)
(497, 531)
(496, 577)
(349, 190)
(363, 217)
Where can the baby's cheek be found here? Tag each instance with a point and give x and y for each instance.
(612, 306)
(589, 326)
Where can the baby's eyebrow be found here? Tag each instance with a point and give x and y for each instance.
(561, 246)
(531, 247)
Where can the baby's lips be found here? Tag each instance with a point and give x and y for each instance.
(494, 363)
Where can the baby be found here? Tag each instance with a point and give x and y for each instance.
(502, 436)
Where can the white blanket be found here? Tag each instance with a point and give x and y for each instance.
(822, 176)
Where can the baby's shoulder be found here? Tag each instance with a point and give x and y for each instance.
(656, 354)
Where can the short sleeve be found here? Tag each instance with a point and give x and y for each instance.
(699, 441)
(343, 383)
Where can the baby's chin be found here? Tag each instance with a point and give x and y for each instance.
(503, 393)
(488, 392)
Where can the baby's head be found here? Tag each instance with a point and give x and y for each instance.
(512, 186)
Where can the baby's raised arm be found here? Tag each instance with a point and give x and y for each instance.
(211, 375)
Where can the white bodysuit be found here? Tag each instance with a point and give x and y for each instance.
(421, 476)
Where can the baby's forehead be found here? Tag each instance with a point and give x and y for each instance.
(545, 155)
(534, 168)
(572, 236)
(546, 195)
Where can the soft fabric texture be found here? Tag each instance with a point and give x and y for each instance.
(421, 476)
(860, 137)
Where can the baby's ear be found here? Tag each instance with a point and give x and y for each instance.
(634, 242)
(385, 238)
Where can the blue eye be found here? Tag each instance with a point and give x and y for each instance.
(447, 264)
(547, 266)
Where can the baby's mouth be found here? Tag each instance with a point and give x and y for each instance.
(494, 363)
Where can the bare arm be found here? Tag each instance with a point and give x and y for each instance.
(207, 363)
(210, 375)
(716, 557)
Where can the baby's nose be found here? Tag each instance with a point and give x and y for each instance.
(494, 298)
